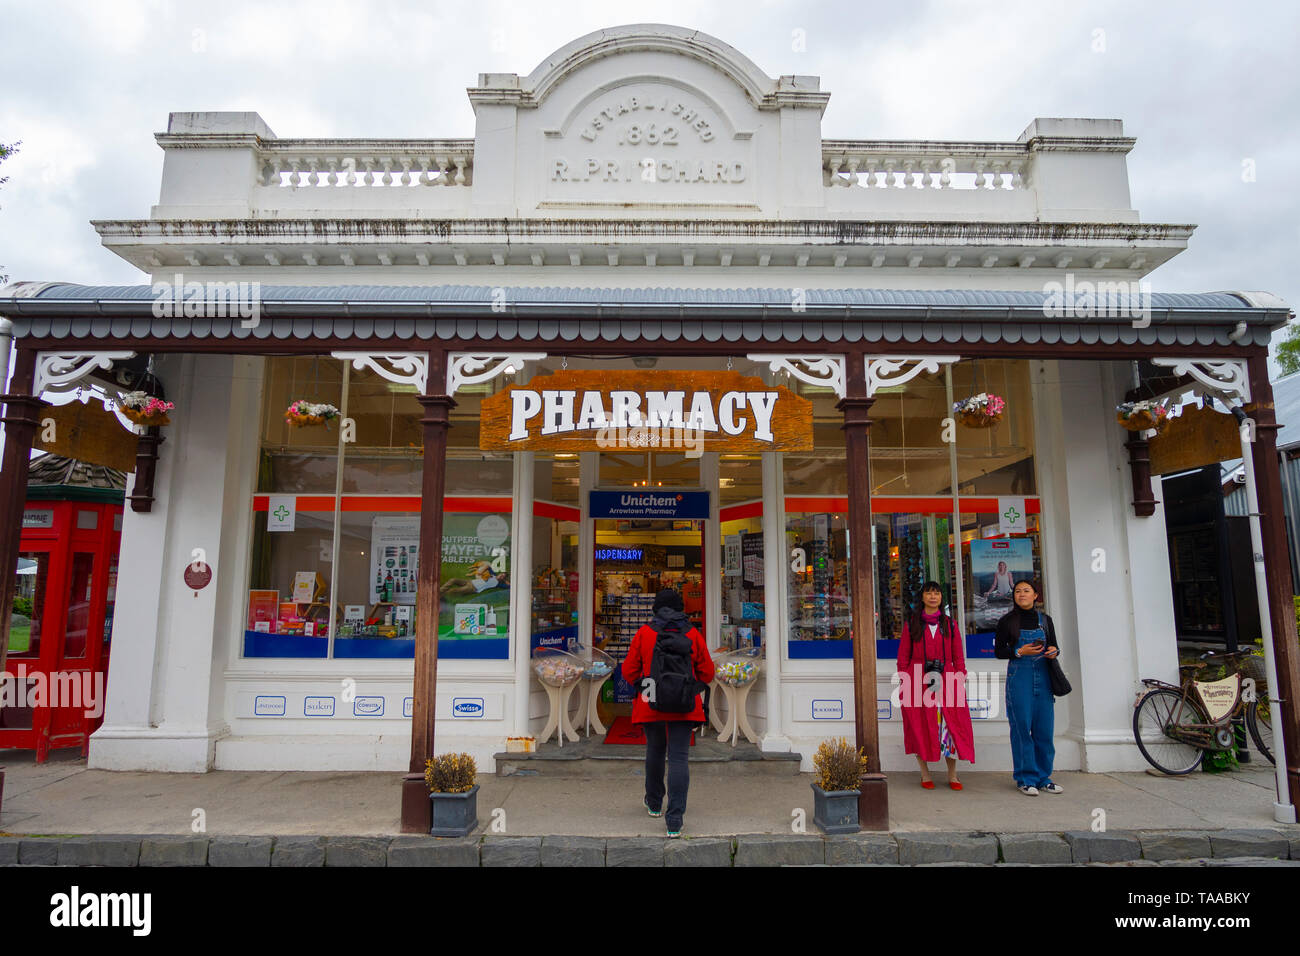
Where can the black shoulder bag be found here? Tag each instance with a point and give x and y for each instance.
(1060, 685)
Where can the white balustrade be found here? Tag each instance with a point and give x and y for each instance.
(925, 165)
(292, 164)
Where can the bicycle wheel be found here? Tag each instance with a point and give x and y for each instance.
(1260, 723)
(1155, 713)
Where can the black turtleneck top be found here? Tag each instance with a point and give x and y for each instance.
(1008, 632)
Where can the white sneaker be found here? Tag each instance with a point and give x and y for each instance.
(1050, 787)
(1029, 791)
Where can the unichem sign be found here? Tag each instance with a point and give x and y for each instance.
(587, 410)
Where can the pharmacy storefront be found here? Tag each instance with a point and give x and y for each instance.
(439, 404)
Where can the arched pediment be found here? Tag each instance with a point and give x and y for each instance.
(761, 90)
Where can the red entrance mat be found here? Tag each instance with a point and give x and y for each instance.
(623, 731)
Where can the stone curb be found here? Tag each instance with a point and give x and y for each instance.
(1089, 847)
(298, 851)
(174, 851)
(947, 847)
(928, 848)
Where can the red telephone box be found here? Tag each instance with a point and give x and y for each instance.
(67, 580)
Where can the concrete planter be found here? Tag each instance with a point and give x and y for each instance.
(454, 814)
(835, 811)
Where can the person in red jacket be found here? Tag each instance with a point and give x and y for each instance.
(666, 732)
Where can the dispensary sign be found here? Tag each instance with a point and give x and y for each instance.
(605, 410)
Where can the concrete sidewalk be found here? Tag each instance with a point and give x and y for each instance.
(63, 797)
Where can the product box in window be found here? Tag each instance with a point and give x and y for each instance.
(289, 622)
(262, 610)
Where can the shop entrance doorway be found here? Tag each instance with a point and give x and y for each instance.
(633, 560)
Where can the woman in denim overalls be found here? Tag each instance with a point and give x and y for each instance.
(1026, 638)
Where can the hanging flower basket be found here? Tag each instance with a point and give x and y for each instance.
(145, 409)
(980, 411)
(303, 413)
(1142, 416)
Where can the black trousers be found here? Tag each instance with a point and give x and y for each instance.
(670, 738)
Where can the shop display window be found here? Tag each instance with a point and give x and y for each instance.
(911, 548)
(554, 611)
(299, 460)
(379, 557)
(998, 460)
(821, 471)
(292, 609)
(743, 607)
(288, 607)
(991, 564)
(818, 585)
(909, 455)
(740, 478)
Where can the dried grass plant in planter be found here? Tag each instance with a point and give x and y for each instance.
(453, 790)
(836, 790)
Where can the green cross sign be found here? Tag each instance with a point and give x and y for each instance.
(1012, 515)
(281, 512)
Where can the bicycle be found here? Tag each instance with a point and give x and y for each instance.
(1176, 726)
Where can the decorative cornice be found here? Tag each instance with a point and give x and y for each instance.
(1081, 144)
(935, 232)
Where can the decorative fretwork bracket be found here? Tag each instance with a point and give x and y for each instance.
(472, 368)
(59, 371)
(823, 371)
(400, 368)
(1226, 378)
(884, 371)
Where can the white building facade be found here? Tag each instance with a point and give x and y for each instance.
(647, 200)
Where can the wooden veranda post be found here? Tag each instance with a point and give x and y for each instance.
(21, 416)
(873, 804)
(435, 422)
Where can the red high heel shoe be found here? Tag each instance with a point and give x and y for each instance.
(954, 784)
(927, 784)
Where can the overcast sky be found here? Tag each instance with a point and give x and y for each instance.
(1210, 90)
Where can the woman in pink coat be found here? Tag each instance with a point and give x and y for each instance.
(936, 720)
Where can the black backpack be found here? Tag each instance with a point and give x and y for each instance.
(671, 687)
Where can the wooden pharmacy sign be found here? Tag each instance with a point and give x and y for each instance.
(576, 411)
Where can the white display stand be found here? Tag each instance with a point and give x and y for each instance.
(557, 699)
(737, 720)
(737, 698)
(561, 664)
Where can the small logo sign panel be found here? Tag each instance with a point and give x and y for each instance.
(268, 706)
(34, 518)
(1011, 515)
(368, 707)
(318, 707)
(197, 576)
(408, 706)
(828, 710)
(281, 512)
(884, 709)
(467, 707)
(979, 709)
